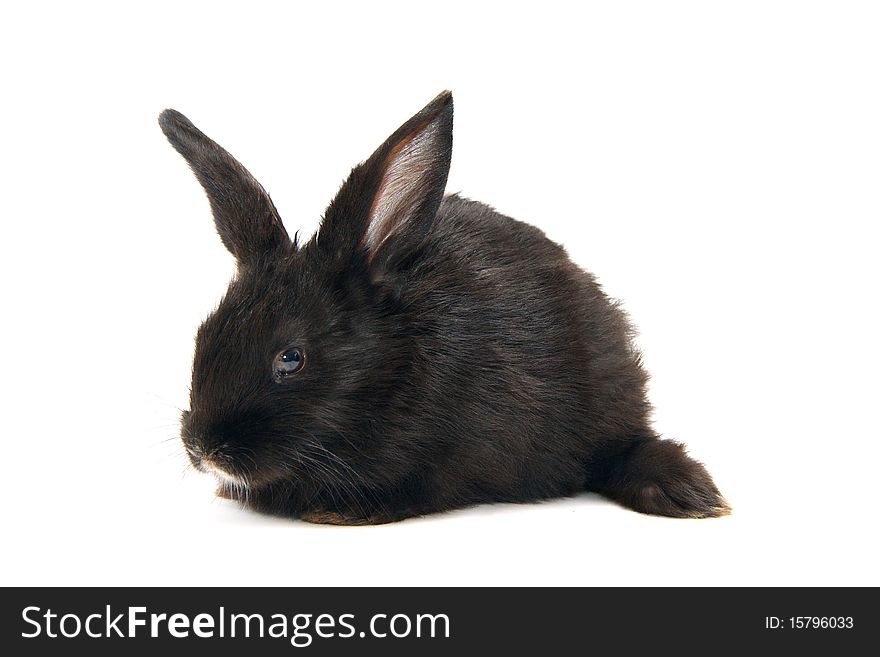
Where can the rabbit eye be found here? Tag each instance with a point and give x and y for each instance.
(288, 362)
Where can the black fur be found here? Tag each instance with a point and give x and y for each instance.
(453, 356)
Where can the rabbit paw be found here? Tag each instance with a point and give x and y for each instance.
(657, 477)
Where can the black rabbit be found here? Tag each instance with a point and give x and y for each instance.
(420, 353)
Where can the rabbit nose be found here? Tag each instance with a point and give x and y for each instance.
(204, 440)
(193, 438)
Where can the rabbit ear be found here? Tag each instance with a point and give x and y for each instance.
(388, 203)
(245, 216)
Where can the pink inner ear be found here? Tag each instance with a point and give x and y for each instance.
(404, 185)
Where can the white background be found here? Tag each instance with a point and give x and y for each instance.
(717, 165)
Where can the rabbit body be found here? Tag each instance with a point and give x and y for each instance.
(420, 353)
